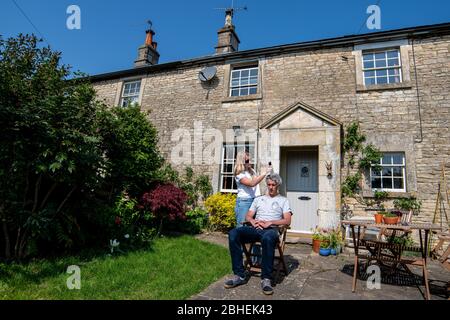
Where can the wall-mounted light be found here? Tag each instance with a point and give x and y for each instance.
(329, 166)
(237, 130)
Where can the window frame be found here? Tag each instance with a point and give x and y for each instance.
(124, 96)
(226, 161)
(391, 165)
(241, 86)
(374, 69)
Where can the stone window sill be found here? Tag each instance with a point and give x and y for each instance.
(381, 87)
(392, 195)
(257, 96)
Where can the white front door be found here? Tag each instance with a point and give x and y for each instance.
(302, 187)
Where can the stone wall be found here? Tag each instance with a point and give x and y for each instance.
(325, 80)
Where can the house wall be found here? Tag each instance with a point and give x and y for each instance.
(324, 80)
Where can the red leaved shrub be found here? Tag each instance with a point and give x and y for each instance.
(166, 201)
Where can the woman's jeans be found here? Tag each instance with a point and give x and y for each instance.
(241, 209)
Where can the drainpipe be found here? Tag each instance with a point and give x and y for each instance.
(417, 94)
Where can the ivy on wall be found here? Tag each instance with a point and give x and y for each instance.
(361, 157)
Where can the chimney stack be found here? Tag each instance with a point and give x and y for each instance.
(147, 54)
(228, 40)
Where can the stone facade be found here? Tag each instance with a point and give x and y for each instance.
(406, 117)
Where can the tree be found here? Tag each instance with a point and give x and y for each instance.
(49, 148)
(60, 149)
(130, 144)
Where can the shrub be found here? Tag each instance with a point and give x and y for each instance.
(196, 220)
(132, 224)
(63, 154)
(167, 202)
(130, 143)
(221, 209)
(196, 188)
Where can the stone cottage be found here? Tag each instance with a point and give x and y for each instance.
(290, 105)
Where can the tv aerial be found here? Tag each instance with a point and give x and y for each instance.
(229, 13)
(207, 74)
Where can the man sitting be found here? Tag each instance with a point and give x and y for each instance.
(266, 213)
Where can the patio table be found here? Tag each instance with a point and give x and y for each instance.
(388, 253)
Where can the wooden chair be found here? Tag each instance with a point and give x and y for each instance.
(442, 253)
(251, 258)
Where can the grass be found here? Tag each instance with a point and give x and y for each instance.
(173, 268)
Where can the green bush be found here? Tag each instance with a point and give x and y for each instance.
(221, 209)
(196, 220)
(132, 226)
(63, 153)
(196, 188)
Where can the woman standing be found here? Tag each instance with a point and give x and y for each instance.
(247, 185)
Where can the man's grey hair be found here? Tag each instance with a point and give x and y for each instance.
(275, 177)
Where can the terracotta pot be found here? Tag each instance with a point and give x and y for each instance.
(378, 218)
(390, 220)
(316, 246)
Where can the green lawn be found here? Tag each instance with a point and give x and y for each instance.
(174, 268)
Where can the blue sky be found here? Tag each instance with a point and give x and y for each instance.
(112, 30)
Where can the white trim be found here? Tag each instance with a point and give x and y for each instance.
(241, 86)
(221, 173)
(403, 177)
(381, 45)
(139, 94)
(387, 67)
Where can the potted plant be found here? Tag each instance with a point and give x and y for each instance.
(336, 241)
(317, 239)
(379, 216)
(390, 218)
(325, 249)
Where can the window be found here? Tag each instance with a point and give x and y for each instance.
(130, 93)
(382, 67)
(229, 152)
(244, 81)
(391, 176)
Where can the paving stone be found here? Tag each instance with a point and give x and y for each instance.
(313, 277)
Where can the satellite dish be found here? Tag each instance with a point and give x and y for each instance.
(207, 74)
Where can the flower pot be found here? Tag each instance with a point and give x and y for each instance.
(333, 251)
(324, 251)
(378, 218)
(390, 220)
(316, 245)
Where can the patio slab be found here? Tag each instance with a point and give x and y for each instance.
(313, 277)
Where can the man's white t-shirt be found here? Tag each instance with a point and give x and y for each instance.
(246, 192)
(269, 208)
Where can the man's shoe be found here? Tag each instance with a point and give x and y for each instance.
(266, 286)
(235, 281)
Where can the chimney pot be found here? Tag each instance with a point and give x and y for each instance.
(149, 37)
(147, 54)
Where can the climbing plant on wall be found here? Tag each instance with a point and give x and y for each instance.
(361, 157)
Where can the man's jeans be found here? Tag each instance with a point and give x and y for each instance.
(246, 234)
